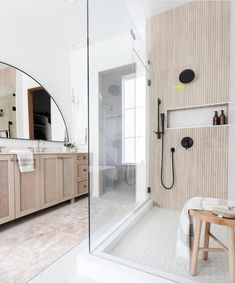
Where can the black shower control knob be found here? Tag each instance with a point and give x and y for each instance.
(187, 142)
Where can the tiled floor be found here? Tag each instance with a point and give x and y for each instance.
(110, 208)
(152, 242)
(32, 243)
(77, 266)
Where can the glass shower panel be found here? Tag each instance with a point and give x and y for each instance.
(116, 114)
(112, 186)
(140, 127)
(134, 158)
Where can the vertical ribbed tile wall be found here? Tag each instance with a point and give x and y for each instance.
(194, 36)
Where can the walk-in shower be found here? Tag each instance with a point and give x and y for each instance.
(156, 78)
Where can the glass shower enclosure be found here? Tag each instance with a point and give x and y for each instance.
(127, 223)
(117, 118)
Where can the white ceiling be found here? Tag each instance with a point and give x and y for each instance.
(64, 21)
(58, 20)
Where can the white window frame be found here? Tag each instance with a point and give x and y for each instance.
(135, 108)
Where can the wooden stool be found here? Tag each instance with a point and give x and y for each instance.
(209, 218)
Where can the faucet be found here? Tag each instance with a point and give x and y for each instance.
(41, 149)
(38, 146)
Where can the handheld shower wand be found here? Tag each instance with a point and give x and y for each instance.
(160, 134)
(163, 123)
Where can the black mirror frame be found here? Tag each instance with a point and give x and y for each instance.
(66, 128)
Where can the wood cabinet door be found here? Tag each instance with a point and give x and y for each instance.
(27, 190)
(66, 165)
(81, 174)
(49, 180)
(82, 187)
(7, 205)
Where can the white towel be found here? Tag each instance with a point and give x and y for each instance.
(25, 160)
(186, 231)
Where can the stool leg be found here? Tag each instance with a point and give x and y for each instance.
(206, 239)
(196, 243)
(231, 254)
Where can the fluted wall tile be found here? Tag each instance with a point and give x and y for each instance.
(194, 36)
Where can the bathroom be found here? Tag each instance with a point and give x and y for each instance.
(120, 132)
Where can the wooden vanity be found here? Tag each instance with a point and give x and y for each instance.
(57, 178)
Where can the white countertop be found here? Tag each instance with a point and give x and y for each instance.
(41, 153)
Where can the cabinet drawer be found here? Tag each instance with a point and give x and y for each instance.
(82, 170)
(82, 187)
(82, 157)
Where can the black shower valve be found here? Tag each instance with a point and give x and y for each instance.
(187, 142)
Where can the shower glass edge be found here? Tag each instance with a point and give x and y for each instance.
(117, 93)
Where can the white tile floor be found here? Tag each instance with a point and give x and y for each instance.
(79, 266)
(152, 242)
(110, 208)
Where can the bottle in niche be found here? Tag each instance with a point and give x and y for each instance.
(222, 118)
(216, 119)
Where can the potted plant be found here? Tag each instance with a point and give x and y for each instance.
(70, 147)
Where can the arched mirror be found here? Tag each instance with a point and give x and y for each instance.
(27, 110)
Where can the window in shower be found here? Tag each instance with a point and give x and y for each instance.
(133, 111)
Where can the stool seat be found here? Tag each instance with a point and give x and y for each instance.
(212, 218)
(209, 218)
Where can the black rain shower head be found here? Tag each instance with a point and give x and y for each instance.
(186, 76)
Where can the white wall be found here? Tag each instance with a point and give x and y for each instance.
(58, 130)
(79, 92)
(37, 36)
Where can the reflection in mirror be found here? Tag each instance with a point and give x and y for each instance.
(27, 111)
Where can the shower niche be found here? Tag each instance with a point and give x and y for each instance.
(195, 117)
